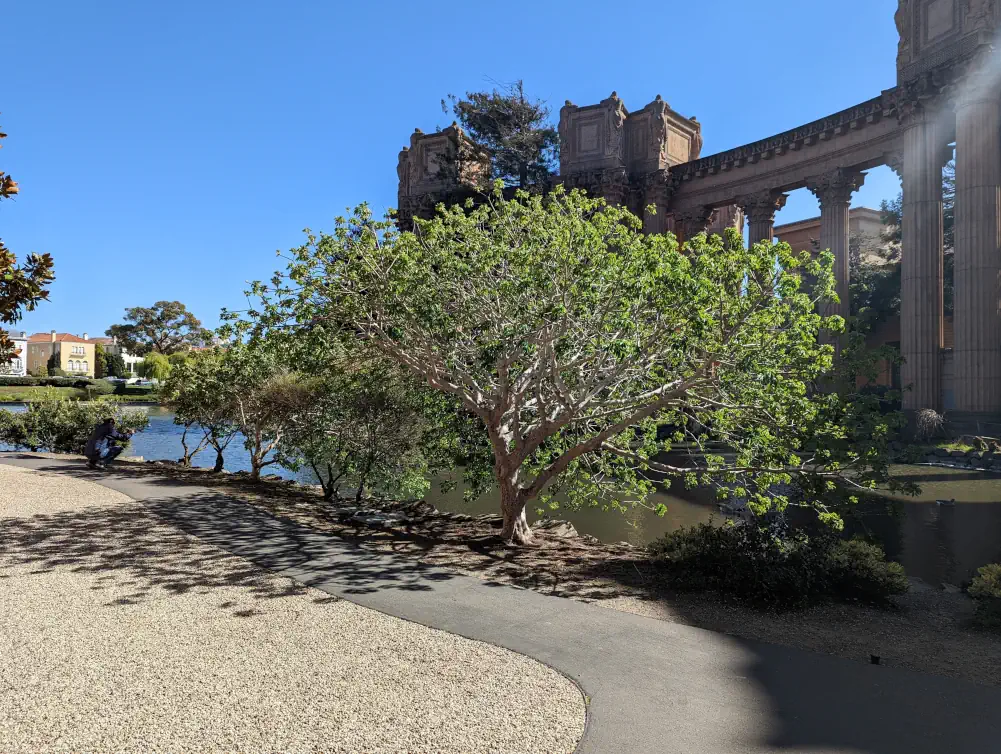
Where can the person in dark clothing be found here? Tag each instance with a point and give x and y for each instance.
(99, 451)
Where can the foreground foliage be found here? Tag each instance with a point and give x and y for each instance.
(24, 286)
(585, 348)
(62, 426)
(752, 564)
(986, 590)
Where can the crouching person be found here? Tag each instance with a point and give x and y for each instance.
(100, 451)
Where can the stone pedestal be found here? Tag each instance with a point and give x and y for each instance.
(921, 302)
(834, 191)
(760, 210)
(978, 252)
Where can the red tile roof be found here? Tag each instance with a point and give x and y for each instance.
(61, 337)
(102, 341)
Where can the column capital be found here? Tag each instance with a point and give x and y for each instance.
(895, 161)
(762, 206)
(696, 216)
(836, 186)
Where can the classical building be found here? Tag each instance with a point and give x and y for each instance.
(70, 353)
(948, 92)
(112, 348)
(17, 365)
(863, 222)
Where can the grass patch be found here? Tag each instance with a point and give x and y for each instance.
(27, 394)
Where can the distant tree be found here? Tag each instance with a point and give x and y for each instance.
(22, 287)
(179, 357)
(892, 211)
(100, 361)
(154, 367)
(166, 327)
(116, 365)
(513, 129)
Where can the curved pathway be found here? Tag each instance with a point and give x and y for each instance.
(118, 632)
(652, 686)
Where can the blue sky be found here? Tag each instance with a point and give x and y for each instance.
(167, 150)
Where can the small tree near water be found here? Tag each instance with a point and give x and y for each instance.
(197, 393)
(580, 343)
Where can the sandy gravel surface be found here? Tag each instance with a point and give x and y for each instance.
(120, 633)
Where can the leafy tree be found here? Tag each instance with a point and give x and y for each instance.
(579, 343)
(197, 393)
(513, 129)
(263, 399)
(100, 361)
(166, 327)
(888, 286)
(155, 366)
(22, 287)
(116, 365)
(369, 426)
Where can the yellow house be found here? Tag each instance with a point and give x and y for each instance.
(70, 353)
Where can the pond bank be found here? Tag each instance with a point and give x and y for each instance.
(926, 630)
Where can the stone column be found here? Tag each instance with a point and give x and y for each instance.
(921, 302)
(977, 353)
(834, 191)
(760, 210)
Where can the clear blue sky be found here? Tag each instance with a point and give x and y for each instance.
(167, 150)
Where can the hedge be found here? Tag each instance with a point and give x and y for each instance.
(80, 382)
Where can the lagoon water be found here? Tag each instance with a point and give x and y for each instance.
(935, 543)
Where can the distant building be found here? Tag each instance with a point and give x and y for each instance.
(804, 235)
(111, 347)
(17, 365)
(70, 353)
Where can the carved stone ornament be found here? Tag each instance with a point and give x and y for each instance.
(836, 187)
(761, 207)
(895, 161)
(614, 123)
(903, 20)
(979, 14)
(693, 221)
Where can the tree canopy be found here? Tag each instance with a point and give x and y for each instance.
(166, 327)
(513, 129)
(22, 287)
(586, 348)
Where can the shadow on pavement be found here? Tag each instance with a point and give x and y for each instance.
(771, 698)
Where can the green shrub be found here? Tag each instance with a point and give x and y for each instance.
(752, 564)
(80, 382)
(986, 590)
(98, 388)
(858, 570)
(133, 390)
(62, 426)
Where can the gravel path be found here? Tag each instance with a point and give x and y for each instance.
(120, 633)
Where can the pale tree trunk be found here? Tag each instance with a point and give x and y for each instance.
(515, 529)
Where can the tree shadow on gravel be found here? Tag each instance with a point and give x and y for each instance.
(813, 701)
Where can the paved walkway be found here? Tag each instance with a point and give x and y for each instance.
(121, 633)
(653, 686)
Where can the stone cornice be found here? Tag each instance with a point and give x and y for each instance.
(852, 119)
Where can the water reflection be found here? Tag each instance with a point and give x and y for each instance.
(637, 526)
